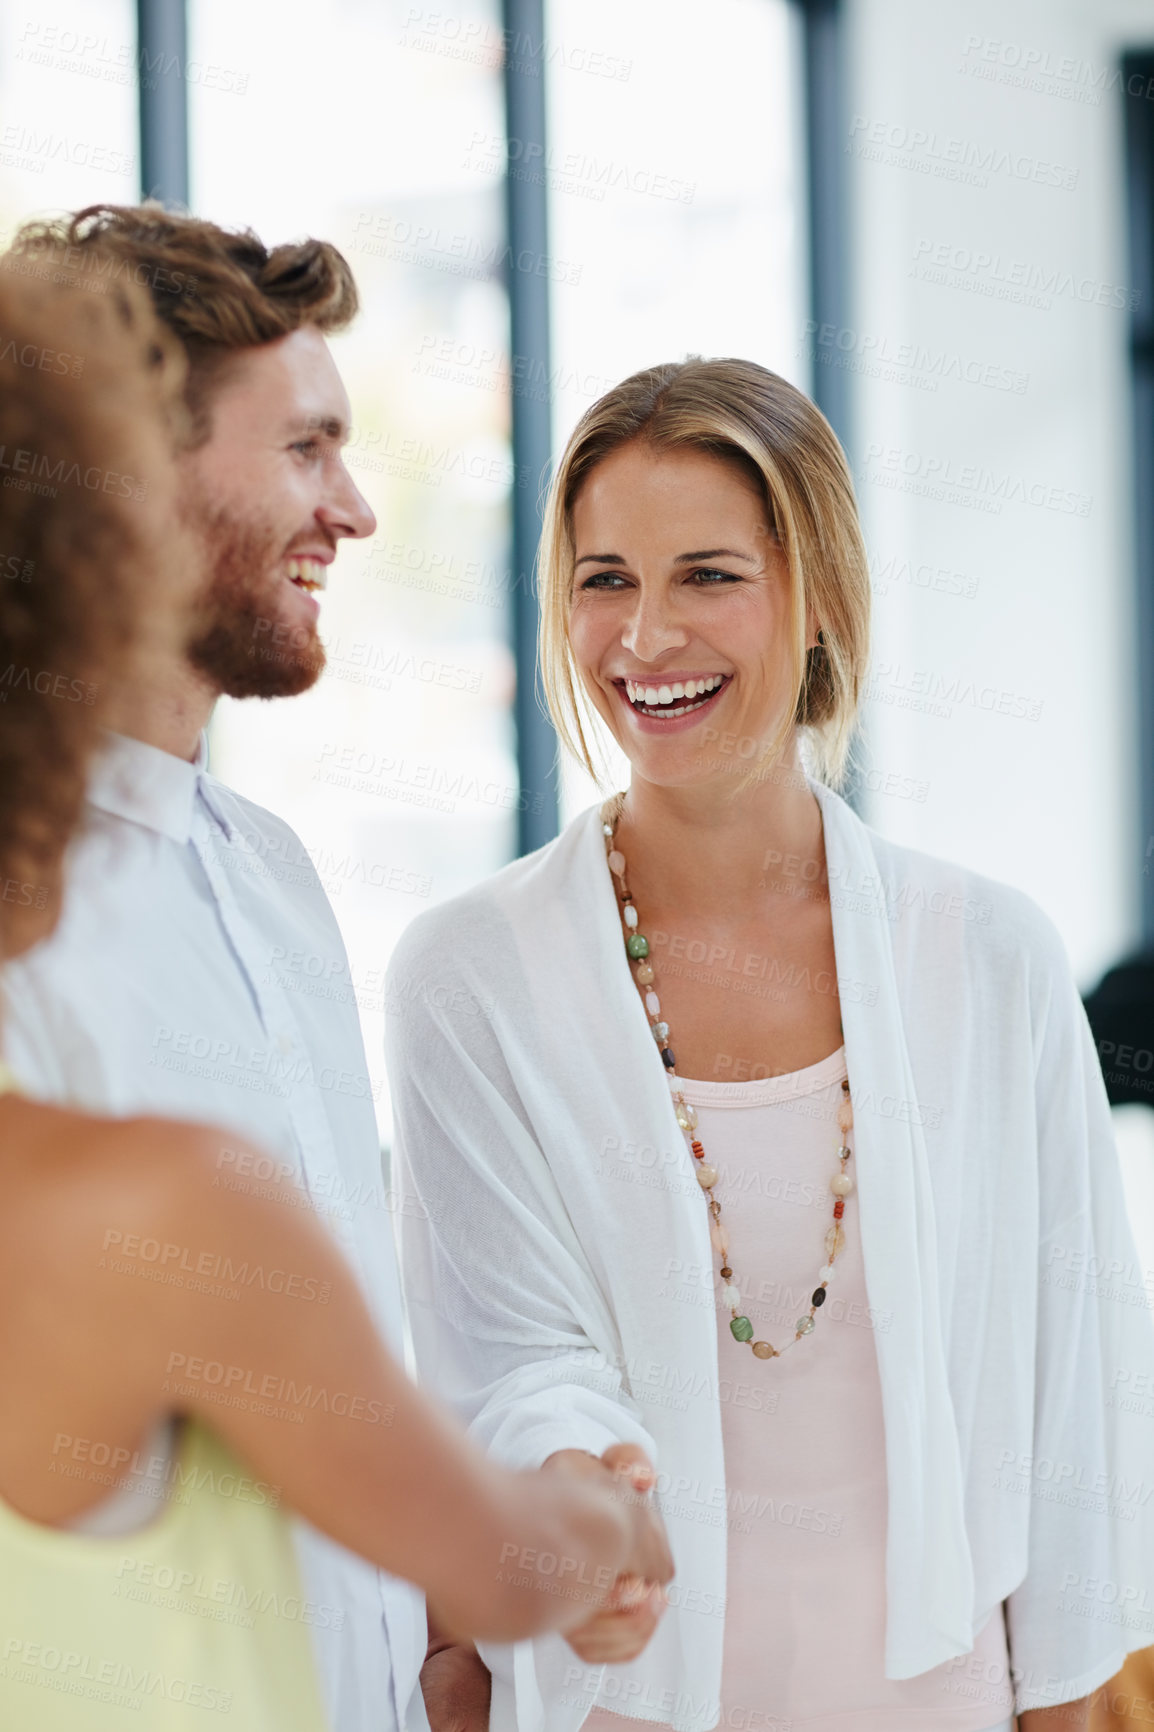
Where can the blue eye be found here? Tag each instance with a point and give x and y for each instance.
(602, 580)
(307, 447)
(709, 571)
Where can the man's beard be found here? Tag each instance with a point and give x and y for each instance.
(240, 642)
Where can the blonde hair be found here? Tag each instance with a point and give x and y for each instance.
(736, 411)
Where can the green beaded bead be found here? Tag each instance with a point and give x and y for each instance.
(742, 1329)
(637, 946)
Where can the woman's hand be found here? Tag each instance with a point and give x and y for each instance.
(624, 1626)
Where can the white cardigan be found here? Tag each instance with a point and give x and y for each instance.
(529, 1092)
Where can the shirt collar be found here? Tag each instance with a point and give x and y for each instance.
(210, 789)
(147, 786)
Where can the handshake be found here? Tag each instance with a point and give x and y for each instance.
(455, 1682)
(621, 1626)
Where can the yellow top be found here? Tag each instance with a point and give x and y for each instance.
(198, 1615)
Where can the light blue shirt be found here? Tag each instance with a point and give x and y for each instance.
(198, 971)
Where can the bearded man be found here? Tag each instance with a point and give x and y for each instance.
(165, 987)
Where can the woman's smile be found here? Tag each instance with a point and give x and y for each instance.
(671, 702)
(687, 616)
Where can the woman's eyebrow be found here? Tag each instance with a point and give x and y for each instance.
(682, 558)
(714, 553)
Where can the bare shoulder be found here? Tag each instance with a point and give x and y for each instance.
(79, 1182)
(121, 1245)
(51, 1148)
(205, 1192)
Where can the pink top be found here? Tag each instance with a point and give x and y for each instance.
(805, 1445)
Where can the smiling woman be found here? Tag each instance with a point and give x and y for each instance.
(764, 1140)
(750, 446)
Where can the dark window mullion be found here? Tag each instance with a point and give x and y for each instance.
(1137, 73)
(162, 60)
(527, 237)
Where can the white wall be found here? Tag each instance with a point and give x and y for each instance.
(1001, 721)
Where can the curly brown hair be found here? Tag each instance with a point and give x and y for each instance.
(217, 289)
(90, 410)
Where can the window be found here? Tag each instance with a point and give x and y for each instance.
(398, 770)
(68, 98)
(675, 174)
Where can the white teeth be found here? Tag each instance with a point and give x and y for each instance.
(309, 572)
(654, 697)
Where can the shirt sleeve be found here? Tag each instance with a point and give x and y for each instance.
(509, 1325)
(1088, 1595)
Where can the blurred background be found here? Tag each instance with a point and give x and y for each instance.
(938, 220)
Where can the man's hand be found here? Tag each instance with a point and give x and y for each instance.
(620, 1629)
(456, 1685)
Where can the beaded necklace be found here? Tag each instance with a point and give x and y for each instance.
(841, 1185)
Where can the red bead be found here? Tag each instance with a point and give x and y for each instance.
(697, 1149)
(839, 1209)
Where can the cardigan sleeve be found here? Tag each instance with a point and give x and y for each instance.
(508, 1323)
(1088, 1595)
